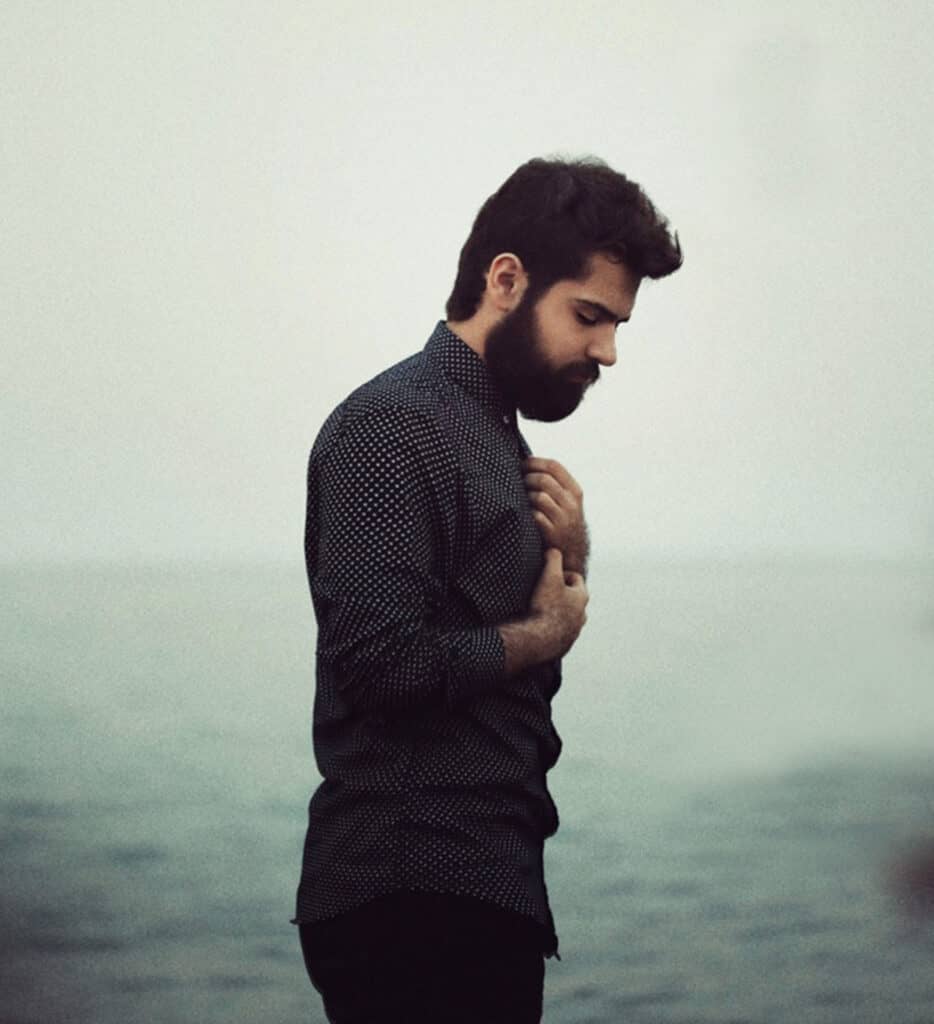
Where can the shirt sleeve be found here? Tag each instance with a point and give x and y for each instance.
(373, 548)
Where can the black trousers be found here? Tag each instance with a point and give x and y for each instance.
(411, 958)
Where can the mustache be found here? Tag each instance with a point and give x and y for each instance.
(588, 373)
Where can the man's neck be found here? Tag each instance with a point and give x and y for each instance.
(473, 332)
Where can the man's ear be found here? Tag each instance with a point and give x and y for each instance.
(506, 282)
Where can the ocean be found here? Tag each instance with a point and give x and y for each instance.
(746, 795)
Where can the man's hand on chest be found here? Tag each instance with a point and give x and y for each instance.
(558, 507)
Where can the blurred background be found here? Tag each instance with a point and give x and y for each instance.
(218, 219)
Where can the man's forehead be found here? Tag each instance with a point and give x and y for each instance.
(609, 285)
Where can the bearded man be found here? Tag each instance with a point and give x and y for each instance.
(446, 568)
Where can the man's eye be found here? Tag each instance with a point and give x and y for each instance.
(586, 320)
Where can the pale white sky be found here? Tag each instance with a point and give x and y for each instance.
(218, 218)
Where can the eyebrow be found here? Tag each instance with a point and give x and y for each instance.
(602, 311)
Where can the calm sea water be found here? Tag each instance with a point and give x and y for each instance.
(748, 759)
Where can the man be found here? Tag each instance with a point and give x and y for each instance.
(446, 569)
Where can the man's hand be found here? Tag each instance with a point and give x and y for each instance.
(559, 601)
(557, 613)
(558, 507)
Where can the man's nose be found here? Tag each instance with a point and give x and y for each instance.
(602, 347)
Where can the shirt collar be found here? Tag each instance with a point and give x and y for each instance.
(458, 361)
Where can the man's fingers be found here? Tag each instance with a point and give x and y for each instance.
(534, 464)
(545, 524)
(574, 579)
(545, 503)
(551, 467)
(554, 565)
(544, 483)
(554, 561)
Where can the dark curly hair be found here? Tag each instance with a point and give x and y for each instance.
(554, 215)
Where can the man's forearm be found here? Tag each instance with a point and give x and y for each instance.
(526, 643)
(556, 615)
(539, 637)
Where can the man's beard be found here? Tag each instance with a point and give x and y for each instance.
(514, 358)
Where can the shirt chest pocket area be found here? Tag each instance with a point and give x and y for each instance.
(499, 548)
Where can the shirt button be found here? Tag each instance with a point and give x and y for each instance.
(506, 420)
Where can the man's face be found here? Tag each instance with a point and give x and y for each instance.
(547, 352)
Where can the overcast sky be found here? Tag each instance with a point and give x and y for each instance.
(220, 217)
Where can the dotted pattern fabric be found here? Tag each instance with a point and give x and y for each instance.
(419, 540)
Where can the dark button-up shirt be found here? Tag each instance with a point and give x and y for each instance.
(419, 541)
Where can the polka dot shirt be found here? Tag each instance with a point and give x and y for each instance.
(419, 540)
